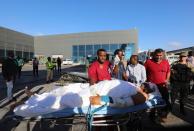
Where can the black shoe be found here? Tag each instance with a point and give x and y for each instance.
(192, 90)
(152, 117)
(47, 82)
(52, 80)
(182, 111)
(14, 99)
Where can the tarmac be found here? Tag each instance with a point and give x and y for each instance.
(38, 84)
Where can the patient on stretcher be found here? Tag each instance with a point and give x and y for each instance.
(119, 93)
(137, 96)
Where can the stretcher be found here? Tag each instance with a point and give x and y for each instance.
(93, 116)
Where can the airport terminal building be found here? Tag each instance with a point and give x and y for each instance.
(80, 45)
(76, 46)
(21, 44)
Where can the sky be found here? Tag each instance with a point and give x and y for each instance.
(167, 24)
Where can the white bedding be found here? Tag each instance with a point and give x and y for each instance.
(74, 95)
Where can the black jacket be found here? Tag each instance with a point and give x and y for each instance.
(9, 68)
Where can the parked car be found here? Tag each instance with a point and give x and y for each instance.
(67, 62)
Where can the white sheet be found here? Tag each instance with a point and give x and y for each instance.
(57, 99)
(73, 95)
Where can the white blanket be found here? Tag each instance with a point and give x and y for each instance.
(73, 95)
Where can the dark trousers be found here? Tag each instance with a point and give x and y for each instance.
(192, 90)
(180, 90)
(165, 95)
(59, 68)
(19, 71)
(35, 70)
(163, 112)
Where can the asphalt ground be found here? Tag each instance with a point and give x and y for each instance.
(174, 121)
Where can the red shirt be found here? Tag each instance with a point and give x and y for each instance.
(98, 74)
(157, 72)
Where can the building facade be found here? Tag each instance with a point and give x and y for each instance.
(21, 44)
(78, 46)
(178, 51)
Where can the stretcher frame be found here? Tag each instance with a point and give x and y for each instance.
(132, 119)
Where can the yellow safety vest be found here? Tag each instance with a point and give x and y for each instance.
(49, 65)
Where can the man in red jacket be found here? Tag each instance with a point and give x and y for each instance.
(158, 72)
(99, 70)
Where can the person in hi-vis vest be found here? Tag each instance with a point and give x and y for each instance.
(49, 67)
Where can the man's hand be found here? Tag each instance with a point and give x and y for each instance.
(95, 100)
(116, 60)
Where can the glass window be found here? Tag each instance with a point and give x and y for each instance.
(2, 52)
(89, 50)
(31, 55)
(75, 51)
(19, 53)
(26, 55)
(113, 47)
(8, 51)
(96, 47)
(123, 46)
(82, 50)
(129, 50)
(106, 47)
(75, 59)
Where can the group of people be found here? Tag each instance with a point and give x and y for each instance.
(156, 70)
(11, 68)
(50, 66)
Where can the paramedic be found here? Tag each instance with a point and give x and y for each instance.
(100, 69)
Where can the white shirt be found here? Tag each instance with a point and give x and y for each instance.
(190, 59)
(138, 71)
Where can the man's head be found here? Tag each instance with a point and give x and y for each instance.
(134, 59)
(101, 53)
(11, 54)
(158, 55)
(190, 53)
(119, 52)
(183, 56)
(49, 58)
(146, 88)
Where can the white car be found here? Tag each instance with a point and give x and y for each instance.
(67, 62)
